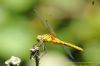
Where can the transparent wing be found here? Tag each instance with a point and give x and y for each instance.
(46, 23)
(67, 51)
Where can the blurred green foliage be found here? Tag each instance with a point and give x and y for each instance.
(75, 21)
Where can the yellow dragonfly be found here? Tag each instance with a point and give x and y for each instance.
(51, 36)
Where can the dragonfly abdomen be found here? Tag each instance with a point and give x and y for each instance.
(58, 41)
(50, 38)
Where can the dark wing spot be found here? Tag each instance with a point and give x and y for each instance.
(93, 2)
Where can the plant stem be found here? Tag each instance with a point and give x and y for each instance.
(37, 60)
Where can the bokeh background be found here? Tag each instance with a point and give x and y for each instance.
(74, 21)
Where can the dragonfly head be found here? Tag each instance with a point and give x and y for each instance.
(40, 38)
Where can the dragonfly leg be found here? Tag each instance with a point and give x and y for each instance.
(44, 47)
(39, 44)
(44, 50)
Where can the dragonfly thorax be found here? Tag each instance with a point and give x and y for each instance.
(45, 37)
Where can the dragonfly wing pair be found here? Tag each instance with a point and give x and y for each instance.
(51, 33)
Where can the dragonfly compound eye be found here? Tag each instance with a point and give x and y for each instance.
(39, 38)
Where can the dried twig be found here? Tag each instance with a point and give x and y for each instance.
(35, 52)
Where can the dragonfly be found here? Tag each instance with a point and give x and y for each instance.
(51, 36)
